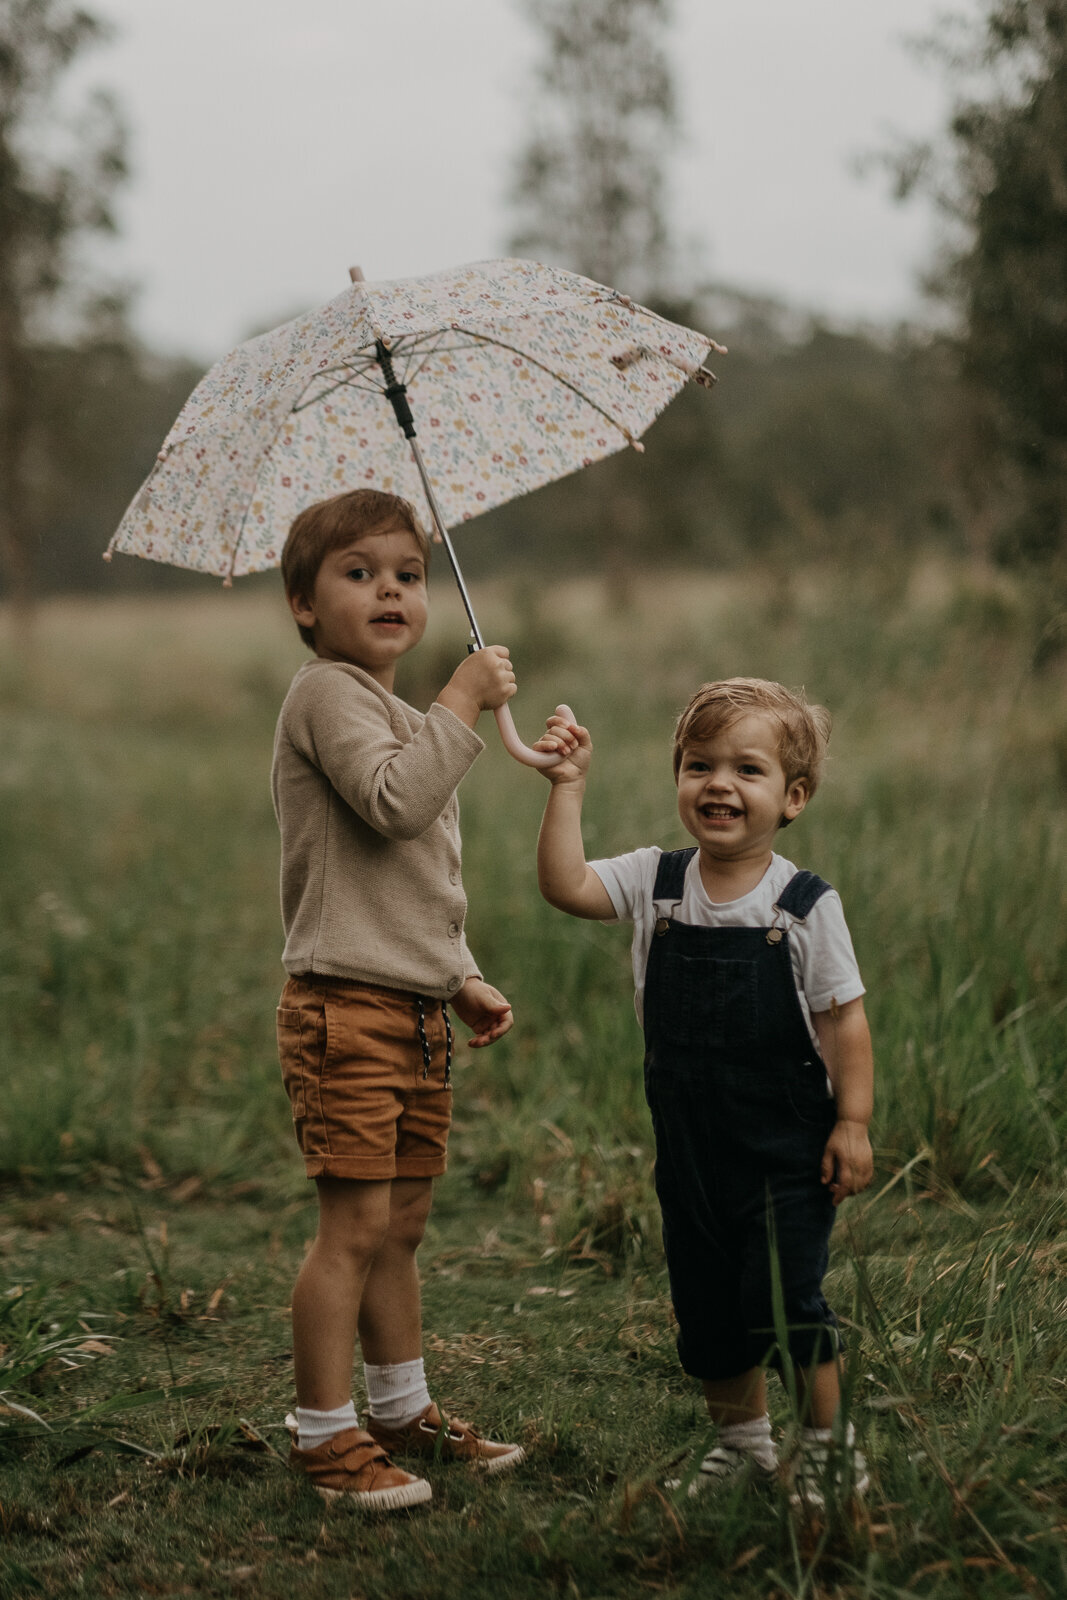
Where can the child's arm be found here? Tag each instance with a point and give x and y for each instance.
(845, 1041)
(398, 786)
(564, 878)
(484, 1010)
(482, 682)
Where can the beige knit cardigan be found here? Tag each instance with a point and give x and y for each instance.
(364, 790)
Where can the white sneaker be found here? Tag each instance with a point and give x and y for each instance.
(725, 1464)
(825, 1468)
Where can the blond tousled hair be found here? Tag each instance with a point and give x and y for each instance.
(803, 728)
(329, 525)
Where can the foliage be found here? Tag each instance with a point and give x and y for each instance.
(103, 404)
(590, 186)
(817, 440)
(48, 202)
(1002, 180)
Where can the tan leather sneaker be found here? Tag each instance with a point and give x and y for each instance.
(355, 1465)
(428, 1435)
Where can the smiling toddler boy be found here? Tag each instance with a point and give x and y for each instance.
(758, 1068)
(373, 906)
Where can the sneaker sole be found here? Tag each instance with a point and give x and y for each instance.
(709, 1482)
(815, 1500)
(492, 1464)
(487, 1464)
(407, 1494)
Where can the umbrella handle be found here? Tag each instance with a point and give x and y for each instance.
(514, 745)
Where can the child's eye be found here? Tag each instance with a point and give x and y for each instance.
(749, 770)
(408, 577)
(359, 573)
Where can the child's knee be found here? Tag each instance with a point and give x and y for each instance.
(408, 1216)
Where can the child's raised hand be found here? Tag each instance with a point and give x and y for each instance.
(847, 1162)
(572, 743)
(482, 682)
(484, 1009)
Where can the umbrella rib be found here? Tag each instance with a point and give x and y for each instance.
(470, 340)
(342, 383)
(484, 338)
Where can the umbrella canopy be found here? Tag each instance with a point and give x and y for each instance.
(517, 374)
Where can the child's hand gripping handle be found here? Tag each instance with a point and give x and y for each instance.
(522, 752)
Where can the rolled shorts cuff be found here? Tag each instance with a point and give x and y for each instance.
(368, 1171)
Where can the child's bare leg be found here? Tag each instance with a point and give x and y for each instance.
(353, 1222)
(740, 1399)
(390, 1312)
(820, 1391)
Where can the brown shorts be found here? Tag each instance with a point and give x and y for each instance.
(367, 1073)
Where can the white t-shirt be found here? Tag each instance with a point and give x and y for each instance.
(824, 964)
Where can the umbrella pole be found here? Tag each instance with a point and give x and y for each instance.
(396, 394)
(450, 550)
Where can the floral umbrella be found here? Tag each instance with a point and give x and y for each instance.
(516, 373)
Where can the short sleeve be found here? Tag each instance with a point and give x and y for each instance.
(827, 962)
(629, 880)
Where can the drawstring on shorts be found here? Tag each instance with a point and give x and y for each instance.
(427, 1055)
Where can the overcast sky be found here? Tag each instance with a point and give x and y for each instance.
(274, 142)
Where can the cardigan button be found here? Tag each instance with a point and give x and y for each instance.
(453, 930)
(454, 984)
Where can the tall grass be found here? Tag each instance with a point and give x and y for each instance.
(138, 921)
(139, 943)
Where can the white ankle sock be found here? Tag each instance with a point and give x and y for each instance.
(397, 1394)
(829, 1435)
(315, 1427)
(755, 1437)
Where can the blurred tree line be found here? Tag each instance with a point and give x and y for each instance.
(1000, 180)
(82, 405)
(822, 440)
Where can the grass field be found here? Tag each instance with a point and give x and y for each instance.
(153, 1209)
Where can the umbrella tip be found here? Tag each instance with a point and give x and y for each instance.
(356, 274)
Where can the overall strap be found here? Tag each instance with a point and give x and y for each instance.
(670, 874)
(801, 893)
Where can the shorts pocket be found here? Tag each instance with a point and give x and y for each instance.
(291, 1056)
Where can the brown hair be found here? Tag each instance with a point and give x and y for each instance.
(329, 525)
(803, 729)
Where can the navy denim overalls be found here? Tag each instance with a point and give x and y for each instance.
(741, 1112)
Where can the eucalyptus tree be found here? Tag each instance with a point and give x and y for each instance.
(999, 174)
(590, 185)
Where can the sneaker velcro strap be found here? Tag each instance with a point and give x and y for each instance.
(455, 1429)
(354, 1450)
(721, 1461)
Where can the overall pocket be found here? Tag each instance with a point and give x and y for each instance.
(708, 1004)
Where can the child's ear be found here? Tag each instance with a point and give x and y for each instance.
(302, 610)
(796, 798)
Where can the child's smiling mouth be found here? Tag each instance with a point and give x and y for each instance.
(389, 619)
(719, 813)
